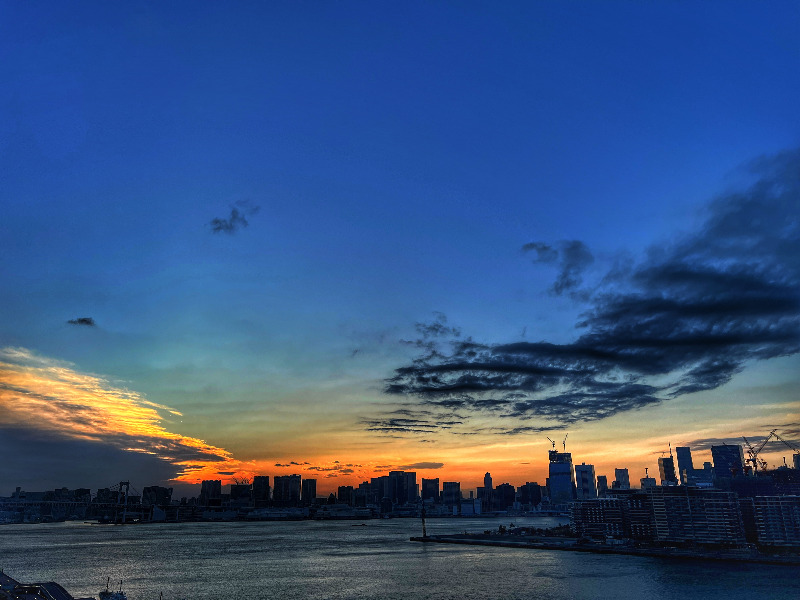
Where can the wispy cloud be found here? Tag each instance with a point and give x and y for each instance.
(85, 321)
(686, 318)
(237, 218)
(47, 395)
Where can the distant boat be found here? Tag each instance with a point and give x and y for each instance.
(107, 594)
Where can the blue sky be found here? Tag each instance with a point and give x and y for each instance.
(391, 161)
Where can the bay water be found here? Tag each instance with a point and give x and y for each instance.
(347, 559)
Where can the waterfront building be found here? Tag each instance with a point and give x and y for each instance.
(504, 496)
(241, 495)
(602, 486)
(728, 461)
(430, 489)
(287, 490)
(345, 495)
(210, 492)
(451, 494)
(561, 480)
(529, 495)
(685, 464)
(485, 493)
(156, 495)
(380, 487)
(666, 470)
(585, 486)
(622, 480)
(308, 491)
(398, 487)
(411, 487)
(777, 520)
(261, 491)
(691, 515)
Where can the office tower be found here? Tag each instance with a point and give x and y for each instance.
(647, 482)
(380, 487)
(685, 464)
(796, 460)
(666, 470)
(485, 493)
(622, 480)
(398, 487)
(154, 495)
(586, 488)
(345, 495)
(240, 494)
(451, 493)
(430, 489)
(211, 492)
(530, 494)
(411, 487)
(602, 486)
(308, 491)
(261, 490)
(728, 461)
(287, 490)
(562, 478)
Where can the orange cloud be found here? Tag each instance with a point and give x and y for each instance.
(44, 394)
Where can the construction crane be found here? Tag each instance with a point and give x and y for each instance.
(552, 442)
(791, 446)
(565, 442)
(753, 453)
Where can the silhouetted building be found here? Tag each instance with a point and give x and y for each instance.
(287, 490)
(241, 495)
(261, 490)
(666, 470)
(685, 464)
(647, 482)
(561, 480)
(504, 496)
(622, 480)
(380, 487)
(345, 495)
(777, 520)
(485, 493)
(155, 495)
(530, 495)
(602, 486)
(211, 492)
(398, 487)
(586, 488)
(411, 486)
(451, 493)
(728, 461)
(430, 489)
(308, 491)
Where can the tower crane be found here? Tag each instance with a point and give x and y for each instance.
(565, 442)
(552, 442)
(753, 453)
(791, 446)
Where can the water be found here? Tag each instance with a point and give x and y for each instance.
(313, 559)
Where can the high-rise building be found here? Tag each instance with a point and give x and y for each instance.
(345, 495)
(411, 487)
(241, 494)
(485, 493)
(504, 496)
(562, 478)
(666, 470)
(398, 487)
(380, 487)
(430, 489)
(622, 480)
(602, 486)
(211, 492)
(308, 491)
(796, 460)
(451, 493)
(287, 490)
(261, 490)
(586, 488)
(728, 461)
(530, 494)
(685, 464)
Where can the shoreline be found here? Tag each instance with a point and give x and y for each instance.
(571, 546)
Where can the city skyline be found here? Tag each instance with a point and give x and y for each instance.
(338, 240)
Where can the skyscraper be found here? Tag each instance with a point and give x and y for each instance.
(308, 491)
(586, 488)
(451, 493)
(666, 470)
(728, 461)
(562, 478)
(685, 464)
(622, 480)
(430, 489)
(602, 486)
(287, 490)
(260, 490)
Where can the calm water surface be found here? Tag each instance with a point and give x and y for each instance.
(313, 559)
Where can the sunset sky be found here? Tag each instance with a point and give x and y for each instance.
(338, 238)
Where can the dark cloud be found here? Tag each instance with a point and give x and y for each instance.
(686, 318)
(86, 321)
(227, 473)
(423, 465)
(571, 257)
(236, 220)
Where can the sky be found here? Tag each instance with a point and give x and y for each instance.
(335, 239)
